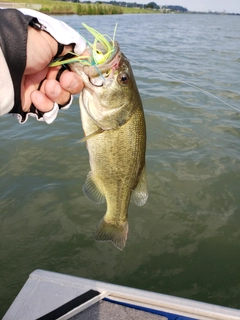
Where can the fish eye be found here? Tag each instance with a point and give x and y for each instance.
(123, 78)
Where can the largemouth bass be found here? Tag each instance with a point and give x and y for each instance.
(115, 132)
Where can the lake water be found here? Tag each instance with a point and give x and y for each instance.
(186, 240)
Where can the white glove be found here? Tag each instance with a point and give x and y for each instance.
(59, 30)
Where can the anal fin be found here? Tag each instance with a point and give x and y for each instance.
(140, 194)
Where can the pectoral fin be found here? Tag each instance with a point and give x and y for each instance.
(91, 191)
(100, 130)
(140, 194)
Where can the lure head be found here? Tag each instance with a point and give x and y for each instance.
(99, 62)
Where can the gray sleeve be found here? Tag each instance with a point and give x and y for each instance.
(6, 87)
(13, 40)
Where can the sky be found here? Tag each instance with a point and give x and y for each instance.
(230, 6)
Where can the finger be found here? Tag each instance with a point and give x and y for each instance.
(41, 101)
(55, 92)
(71, 82)
(52, 72)
(29, 84)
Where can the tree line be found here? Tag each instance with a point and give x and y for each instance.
(150, 5)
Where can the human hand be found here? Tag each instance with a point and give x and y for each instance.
(40, 91)
(41, 48)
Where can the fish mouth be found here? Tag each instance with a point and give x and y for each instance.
(98, 74)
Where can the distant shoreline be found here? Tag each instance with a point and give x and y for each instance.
(61, 7)
(214, 13)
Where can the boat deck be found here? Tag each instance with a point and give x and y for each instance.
(49, 296)
(104, 310)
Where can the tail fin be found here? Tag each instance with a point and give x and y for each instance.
(109, 232)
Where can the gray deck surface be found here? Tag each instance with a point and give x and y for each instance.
(104, 310)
